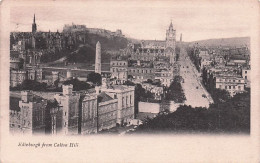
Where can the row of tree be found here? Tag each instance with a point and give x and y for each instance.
(175, 92)
(193, 54)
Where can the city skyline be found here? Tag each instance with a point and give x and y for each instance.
(194, 21)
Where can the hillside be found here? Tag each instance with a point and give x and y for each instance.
(86, 54)
(107, 44)
(234, 41)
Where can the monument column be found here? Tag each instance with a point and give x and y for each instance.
(98, 58)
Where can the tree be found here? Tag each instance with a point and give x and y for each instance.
(232, 115)
(77, 85)
(129, 83)
(175, 91)
(220, 95)
(94, 78)
(33, 85)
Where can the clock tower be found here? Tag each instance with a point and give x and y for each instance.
(170, 43)
(170, 37)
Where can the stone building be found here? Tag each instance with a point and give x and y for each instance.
(17, 77)
(151, 56)
(34, 73)
(69, 102)
(141, 73)
(152, 50)
(14, 63)
(107, 111)
(125, 96)
(165, 76)
(231, 84)
(31, 117)
(54, 114)
(88, 114)
(118, 69)
(246, 75)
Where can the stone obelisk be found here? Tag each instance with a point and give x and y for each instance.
(98, 58)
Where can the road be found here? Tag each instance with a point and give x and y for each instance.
(196, 94)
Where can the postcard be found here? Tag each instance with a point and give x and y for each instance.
(130, 81)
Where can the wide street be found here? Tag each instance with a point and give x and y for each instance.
(196, 94)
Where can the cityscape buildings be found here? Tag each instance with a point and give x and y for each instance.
(145, 70)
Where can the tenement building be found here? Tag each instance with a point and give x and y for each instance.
(118, 69)
(231, 84)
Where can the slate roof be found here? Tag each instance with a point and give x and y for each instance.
(103, 97)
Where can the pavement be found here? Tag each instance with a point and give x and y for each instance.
(196, 94)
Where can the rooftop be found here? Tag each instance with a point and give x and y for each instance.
(103, 97)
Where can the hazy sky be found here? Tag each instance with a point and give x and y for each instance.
(142, 20)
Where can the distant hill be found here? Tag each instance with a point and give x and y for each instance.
(234, 41)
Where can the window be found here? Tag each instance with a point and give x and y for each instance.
(220, 86)
(245, 72)
(239, 87)
(225, 87)
(245, 77)
(65, 113)
(234, 87)
(229, 87)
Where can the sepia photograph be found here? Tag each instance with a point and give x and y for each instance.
(129, 69)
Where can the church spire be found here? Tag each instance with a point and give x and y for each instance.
(34, 26)
(171, 26)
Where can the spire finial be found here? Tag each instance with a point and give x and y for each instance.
(34, 18)
(171, 23)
